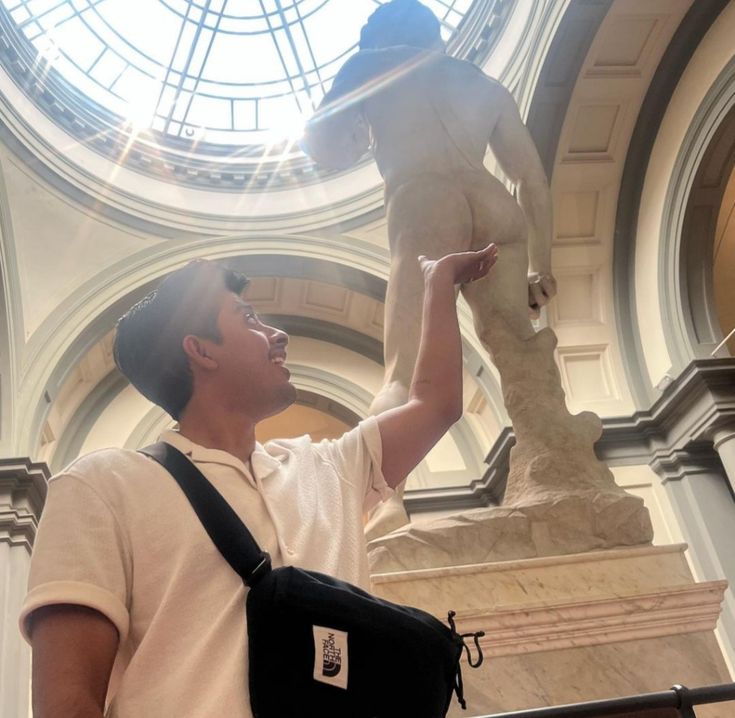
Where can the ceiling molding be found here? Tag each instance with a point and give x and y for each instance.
(84, 418)
(557, 79)
(315, 388)
(91, 312)
(674, 437)
(329, 332)
(327, 406)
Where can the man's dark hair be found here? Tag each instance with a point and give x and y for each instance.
(400, 22)
(148, 339)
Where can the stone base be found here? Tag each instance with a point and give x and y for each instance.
(575, 628)
(558, 525)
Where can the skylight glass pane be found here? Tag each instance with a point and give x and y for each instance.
(222, 71)
(20, 14)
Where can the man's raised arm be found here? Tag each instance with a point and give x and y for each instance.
(408, 432)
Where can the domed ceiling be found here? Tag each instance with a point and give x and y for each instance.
(207, 93)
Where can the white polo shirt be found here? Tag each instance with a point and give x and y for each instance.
(118, 535)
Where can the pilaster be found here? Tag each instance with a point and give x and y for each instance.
(724, 443)
(22, 494)
(687, 437)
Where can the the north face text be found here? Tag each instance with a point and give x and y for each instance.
(330, 656)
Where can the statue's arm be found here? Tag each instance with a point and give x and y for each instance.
(338, 135)
(516, 152)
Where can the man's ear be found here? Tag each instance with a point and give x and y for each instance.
(196, 349)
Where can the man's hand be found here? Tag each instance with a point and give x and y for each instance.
(461, 267)
(541, 288)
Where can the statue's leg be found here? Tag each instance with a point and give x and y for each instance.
(554, 456)
(426, 216)
(546, 433)
(554, 475)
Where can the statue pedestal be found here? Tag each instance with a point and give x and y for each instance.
(556, 525)
(578, 627)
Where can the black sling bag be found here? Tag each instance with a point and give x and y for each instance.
(320, 646)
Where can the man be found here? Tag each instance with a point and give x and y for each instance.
(429, 119)
(130, 605)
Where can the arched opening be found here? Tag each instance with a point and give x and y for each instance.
(723, 267)
(707, 266)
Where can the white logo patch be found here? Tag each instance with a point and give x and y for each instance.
(330, 656)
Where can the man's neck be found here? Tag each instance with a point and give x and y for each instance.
(214, 428)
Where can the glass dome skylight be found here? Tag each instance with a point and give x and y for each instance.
(222, 72)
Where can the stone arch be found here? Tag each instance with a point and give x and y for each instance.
(704, 164)
(698, 239)
(632, 209)
(90, 314)
(10, 324)
(5, 368)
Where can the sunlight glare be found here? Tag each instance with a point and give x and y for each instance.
(289, 128)
(141, 109)
(236, 75)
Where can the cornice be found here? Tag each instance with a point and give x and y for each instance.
(674, 437)
(674, 610)
(698, 402)
(485, 491)
(23, 485)
(482, 28)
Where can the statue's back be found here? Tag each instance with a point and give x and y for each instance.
(427, 111)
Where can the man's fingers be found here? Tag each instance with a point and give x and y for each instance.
(487, 257)
(465, 266)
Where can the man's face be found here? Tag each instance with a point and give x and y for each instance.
(250, 360)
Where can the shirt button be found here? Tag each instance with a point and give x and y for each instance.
(290, 551)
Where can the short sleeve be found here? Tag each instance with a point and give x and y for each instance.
(79, 556)
(358, 454)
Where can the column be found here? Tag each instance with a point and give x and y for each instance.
(701, 498)
(22, 493)
(724, 443)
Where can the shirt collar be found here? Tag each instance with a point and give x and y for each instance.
(263, 463)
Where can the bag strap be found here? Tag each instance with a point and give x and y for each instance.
(228, 533)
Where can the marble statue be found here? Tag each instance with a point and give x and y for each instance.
(429, 119)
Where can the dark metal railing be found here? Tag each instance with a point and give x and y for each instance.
(679, 698)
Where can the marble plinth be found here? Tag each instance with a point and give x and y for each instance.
(559, 524)
(563, 629)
